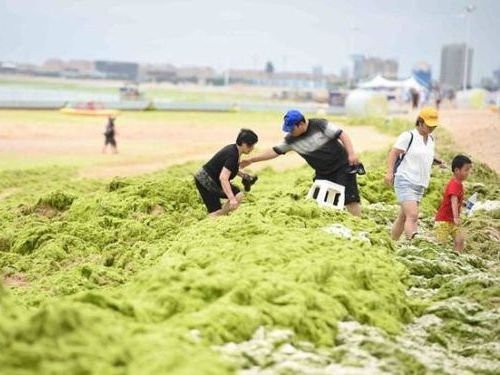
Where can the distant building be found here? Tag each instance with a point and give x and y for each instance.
(491, 83)
(388, 68)
(453, 65)
(295, 80)
(81, 66)
(369, 67)
(169, 73)
(317, 71)
(202, 75)
(357, 70)
(344, 74)
(70, 69)
(118, 70)
(7, 67)
(53, 65)
(496, 77)
(195, 74)
(488, 83)
(157, 73)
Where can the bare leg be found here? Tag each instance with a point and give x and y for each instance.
(354, 208)
(398, 225)
(459, 242)
(410, 210)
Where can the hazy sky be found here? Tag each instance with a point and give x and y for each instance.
(293, 34)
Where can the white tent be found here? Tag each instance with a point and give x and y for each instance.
(412, 83)
(379, 82)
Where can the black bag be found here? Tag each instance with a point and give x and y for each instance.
(248, 181)
(400, 158)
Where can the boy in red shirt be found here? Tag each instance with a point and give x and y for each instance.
(448, 214)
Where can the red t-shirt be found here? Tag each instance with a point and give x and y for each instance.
(445, 212)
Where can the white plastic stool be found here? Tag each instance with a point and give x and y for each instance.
(327, 194)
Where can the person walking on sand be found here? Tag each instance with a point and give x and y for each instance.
(409, 169)
(213, 180)
(448, 215)
(325, 147)
(110, 136)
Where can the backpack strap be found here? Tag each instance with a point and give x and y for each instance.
(409, 144)
(401, 156)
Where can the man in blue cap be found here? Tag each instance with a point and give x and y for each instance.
(325, 147)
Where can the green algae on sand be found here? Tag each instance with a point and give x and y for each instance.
(131, 277)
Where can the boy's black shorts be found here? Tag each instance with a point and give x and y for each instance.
(211, 199)
(110, 141)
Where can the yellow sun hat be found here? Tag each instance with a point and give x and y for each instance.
(430, 116)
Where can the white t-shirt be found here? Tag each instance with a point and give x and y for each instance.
(417, 163)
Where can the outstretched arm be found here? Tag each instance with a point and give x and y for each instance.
(440, 162)
(266, 155)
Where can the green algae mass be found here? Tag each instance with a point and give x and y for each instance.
(130, 276)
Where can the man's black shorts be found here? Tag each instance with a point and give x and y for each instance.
(347, 180)
(211, 199)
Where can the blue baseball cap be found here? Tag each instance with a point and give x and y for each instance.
(292, 118)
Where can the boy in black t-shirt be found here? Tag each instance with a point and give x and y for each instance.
(213, 179)
(325, 147)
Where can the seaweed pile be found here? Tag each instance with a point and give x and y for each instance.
(130, 276)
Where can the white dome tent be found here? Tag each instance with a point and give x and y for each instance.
(379, 82)
(365, 103)
(412, 83)
(398, 90)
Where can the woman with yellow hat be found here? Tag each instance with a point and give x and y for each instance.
(409, 170)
